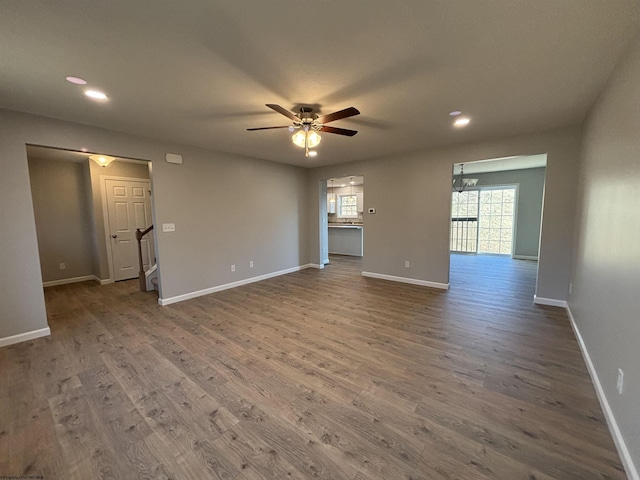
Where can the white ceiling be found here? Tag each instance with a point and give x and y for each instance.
(346, 181)
(57, 154)
(200, 72)
(501, 164)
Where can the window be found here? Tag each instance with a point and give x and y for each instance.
(347, 206)
(464, 221)
(482, 221)
(495, 232)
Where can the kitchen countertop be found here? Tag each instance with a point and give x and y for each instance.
(346, 226)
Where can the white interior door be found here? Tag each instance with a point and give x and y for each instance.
(129, 207)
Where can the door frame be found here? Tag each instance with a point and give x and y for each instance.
(105, 217)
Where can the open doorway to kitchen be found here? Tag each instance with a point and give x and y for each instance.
(345, 220)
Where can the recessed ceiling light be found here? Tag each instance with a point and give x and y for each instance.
(343, 185)
(313, 153)
(462, 122)
(455, 113)
(352, 182)
(98, 95)
(76, 80)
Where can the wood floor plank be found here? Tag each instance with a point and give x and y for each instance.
(316, 374)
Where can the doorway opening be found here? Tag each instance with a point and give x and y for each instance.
(344, 227)
(496, 218)
(71, 210)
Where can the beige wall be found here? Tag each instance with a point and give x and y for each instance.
(62, 208)
(605, 300)
(412, 197)
(227, 209)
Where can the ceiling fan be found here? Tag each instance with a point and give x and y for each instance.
(306, 124)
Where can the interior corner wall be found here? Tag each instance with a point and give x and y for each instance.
(62, 208)
(606, 274)
(412, 197)
(226, 209)
(115, 169)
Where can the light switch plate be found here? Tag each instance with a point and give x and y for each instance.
(168, 227)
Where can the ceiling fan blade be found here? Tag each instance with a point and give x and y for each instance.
(283, 111)
(266, 128)
(339, 131)
(347, 112)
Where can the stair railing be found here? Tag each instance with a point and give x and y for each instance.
(139, 235)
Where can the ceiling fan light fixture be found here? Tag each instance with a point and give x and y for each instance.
(298, 138)
(303, 139)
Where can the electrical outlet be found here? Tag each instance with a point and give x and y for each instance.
(250, 263)
(406, 264)
(63, 266)
(233, 268)
(620, 383)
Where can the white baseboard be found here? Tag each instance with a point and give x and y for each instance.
(64, 281)
(525, 257)
(623, 451)
(23, 337)
(412, 281)
(552, 302)
(227, 286)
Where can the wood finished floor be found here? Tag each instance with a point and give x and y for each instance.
(317, 374)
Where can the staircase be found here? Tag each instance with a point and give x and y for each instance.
(148, 279)
(151, 278)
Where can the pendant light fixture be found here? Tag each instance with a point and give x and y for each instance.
(332, 199)
(460, 184)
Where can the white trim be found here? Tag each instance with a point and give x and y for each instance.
(106, 281)
(313, 265)
(550, 301)
(64, 281)
(226, 286)
(525, 257)
(412, 281)
(623, 451)
(23, 337)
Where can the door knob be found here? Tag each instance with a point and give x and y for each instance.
(114, 236)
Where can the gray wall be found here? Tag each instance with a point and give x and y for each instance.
(605, 300)
(530, 183)
(62, 208)
(412, 197)
(227, 209)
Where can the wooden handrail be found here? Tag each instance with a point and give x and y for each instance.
(141, 278)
